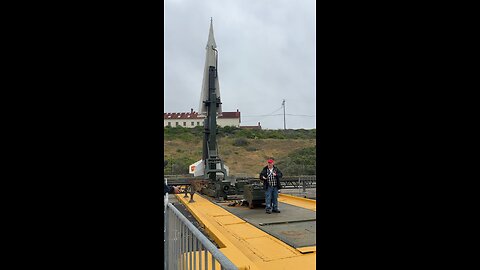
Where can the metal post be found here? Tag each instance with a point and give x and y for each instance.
(184, 252)
(172, 239)
(169, 248)
(183, 246)
(200, 256)
(195, 254)
(304, 186)
(190, 242)
(174, 243)
(189, 250)
(206, 258)
(298, 184)
(165, 235)
(177, 247)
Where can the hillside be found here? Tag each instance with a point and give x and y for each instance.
(244, 156)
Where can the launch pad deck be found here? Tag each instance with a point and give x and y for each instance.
(295, 226)
(242, 237)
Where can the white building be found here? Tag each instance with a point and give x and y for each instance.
(193, 119)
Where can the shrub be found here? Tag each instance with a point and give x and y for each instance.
(302, 161)
(178, 165)
(240, 142)
(196, 133)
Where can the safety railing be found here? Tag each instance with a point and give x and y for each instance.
(187, 248)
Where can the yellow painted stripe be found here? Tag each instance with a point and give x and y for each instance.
(245, 245)
(298, 201)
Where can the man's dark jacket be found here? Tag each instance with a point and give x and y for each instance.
(277, 177)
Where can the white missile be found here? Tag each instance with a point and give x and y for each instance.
(198, 168)
(211, 59)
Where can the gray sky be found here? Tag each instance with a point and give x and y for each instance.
(266, 54)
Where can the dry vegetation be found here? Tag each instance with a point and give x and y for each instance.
(245, 160)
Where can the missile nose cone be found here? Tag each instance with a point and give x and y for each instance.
(211, 59)
(211, 38)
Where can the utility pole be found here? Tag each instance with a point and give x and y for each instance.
(284, 124)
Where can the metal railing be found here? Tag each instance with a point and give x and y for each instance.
(309, 181)
(297, 182)
(186, 247)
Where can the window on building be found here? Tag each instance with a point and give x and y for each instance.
(193, 123)
(169, 124)
(198, 123)
(184, 124)
(176, 124)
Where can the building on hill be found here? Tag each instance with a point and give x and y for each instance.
(192, 119)
(252, 127)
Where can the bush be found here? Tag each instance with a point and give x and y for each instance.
(196, 133)
(240, 142)
(300, 162)
(178, 165)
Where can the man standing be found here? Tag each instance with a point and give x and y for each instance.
(271, 182)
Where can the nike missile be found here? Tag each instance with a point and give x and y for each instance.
(211, 59)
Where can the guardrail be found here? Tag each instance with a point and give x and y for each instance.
(297, 182)
(288, 182)
(186, 247)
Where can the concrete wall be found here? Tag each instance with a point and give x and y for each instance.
(223, 122)
(181, 122)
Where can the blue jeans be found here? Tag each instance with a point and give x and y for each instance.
(271, 198)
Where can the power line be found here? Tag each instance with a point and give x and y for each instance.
(276, 110)
(299, 115)
(278, 115)
(264, 114)
(260, 115)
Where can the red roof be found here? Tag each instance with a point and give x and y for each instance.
(195, 115)
(251, 127)
(230, 115)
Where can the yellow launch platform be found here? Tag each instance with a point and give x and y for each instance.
(247, 246)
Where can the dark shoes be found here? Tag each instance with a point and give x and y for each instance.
(276, 211)
(268, 212)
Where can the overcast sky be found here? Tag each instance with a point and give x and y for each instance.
(266, 54)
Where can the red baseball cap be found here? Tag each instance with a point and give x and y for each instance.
(270, 161)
